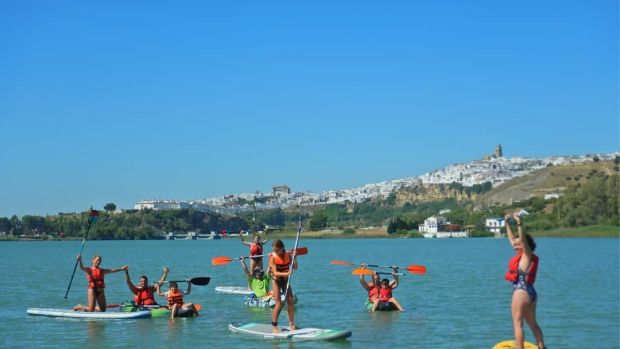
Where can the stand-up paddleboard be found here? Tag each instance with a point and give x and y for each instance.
(246, 291)
(511, 345)
(253, 301)
(383, 306)
(88, 315)
(298, 335)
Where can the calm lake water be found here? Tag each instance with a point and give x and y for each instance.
(462, 301)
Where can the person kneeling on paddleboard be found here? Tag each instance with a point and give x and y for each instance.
(96, 284)
(281, 266)
(258, 281)
(144, 294)
(175, 298)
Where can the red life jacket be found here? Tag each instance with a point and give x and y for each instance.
(175, 298)
(373, 291)
(385, 293)
(282, 263)
(95, 278)
(256, 249)
(145, 297)
(513, 267)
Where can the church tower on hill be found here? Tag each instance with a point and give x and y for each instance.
(498, 151)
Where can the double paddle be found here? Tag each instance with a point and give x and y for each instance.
(414, 269)
(221, 260)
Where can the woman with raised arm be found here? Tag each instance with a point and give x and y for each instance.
(96, 284)
(256, 249)
(522, 270)
(145, 294)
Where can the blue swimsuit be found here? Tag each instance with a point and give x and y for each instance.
(520, 284)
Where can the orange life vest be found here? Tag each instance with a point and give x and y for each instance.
(145, 297)
(175, 298)
(385, 293)
(282, 263)
(95, 278)
(373, 291)
(513, 266)
(256, 249)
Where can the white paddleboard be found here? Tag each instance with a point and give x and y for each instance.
(87, 314)
(234, 290)
(301, 334)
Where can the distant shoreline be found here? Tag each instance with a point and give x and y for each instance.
(381, 233)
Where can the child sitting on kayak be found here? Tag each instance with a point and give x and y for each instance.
(175, 298)
(256, 249)
(385, 294)
(258, 281)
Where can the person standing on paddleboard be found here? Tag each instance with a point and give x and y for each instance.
(145, 294)
(96, 284)
(256, 249)
(522, 270)
(280, 269)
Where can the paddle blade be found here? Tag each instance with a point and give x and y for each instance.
(416, 269)
(341, 262)
(197, 307)
(362, 271)
(221, 260)
(300, 251)
(200, 281)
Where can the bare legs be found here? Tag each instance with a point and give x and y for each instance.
(522, 308)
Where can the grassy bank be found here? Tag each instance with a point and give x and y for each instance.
(594, 231)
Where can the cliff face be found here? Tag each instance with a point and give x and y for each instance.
(422, 193)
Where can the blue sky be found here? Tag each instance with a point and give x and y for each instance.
(119, 101)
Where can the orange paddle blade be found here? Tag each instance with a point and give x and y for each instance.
(362, 271)
(197, 307)
(221, 260)
(341, 262)
(416, 269)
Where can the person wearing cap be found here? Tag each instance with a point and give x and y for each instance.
(258, 281)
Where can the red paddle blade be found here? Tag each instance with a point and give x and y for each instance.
(362, 271)
(416, 269)
(300, 251)
(341, 262)
(221, 260)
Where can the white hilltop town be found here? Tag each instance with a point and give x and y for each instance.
(493, 168)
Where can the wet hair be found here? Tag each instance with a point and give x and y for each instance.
(385, 281)
(172, 283)
(530, 241)
(278, 244)
(146, 279)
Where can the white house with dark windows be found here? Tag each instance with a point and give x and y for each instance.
(495, 225)
(439, 227)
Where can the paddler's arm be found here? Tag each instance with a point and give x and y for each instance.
(114, 270)
(295, 263)
(394, 282)
(245, 267)
(189, 287)
(131, 286)
(159, 292)
(363, 282)
(527, 249)
(86, 270)
(509, 233)
(241, 238)
(164, 275)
